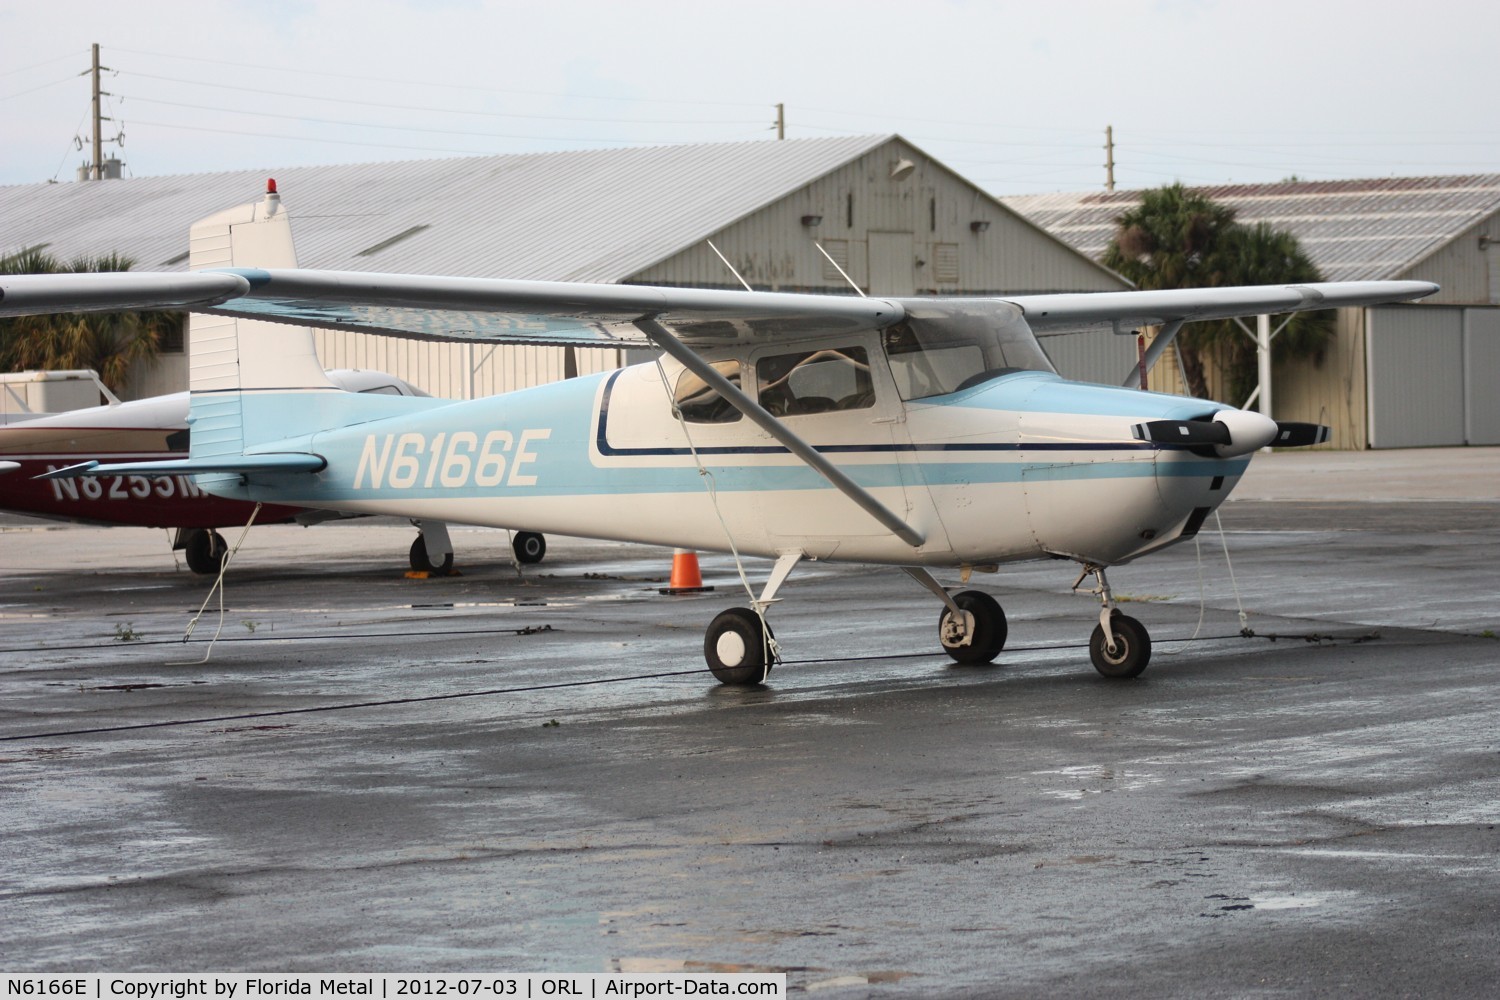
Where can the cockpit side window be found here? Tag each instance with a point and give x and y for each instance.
(700, 403)
(936, 354)
(815, 381)
(922, 371)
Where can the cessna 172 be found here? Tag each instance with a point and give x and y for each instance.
(915, 432)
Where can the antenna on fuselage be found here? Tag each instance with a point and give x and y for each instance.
(859, 291)
(732, 271)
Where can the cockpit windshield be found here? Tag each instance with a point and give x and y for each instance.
(942, 348)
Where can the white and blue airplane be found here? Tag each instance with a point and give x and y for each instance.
(924, 433)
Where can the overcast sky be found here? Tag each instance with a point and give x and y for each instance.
(1015, 96)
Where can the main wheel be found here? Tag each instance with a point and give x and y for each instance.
(1132, 648)
(205, 551)
(529, 547)
(990, 628)
(421, 563)
(737, 649)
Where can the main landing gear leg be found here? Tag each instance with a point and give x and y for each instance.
(739, 645)
(972, 627)
(1120, 646)
(432, 552)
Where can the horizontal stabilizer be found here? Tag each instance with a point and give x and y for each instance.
(242, 464)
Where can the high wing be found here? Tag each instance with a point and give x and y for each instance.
(595, 315)
(1065, 313)
(34, 294)
(543, 312)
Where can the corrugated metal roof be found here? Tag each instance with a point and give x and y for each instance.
(594, 215)
(1354, 230)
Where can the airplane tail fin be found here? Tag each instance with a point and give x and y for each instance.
(231, 360)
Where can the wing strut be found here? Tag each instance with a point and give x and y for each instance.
(1153, 353)
(663, 338)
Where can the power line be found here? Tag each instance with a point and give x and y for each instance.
(392, 145)
(31, 90)
(449, 86)
(425, 109)
(414, 128)
(44, 62)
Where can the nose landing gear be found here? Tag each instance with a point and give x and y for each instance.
(1120, 646)
(1125, 651)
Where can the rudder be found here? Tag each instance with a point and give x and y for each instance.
(230, 356)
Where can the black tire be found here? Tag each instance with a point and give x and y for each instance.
(420, 563)
(736, 648)
(990, 628)
(1132, 648)
(530, 547)
(205, 551)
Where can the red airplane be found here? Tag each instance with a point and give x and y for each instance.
(157, 428)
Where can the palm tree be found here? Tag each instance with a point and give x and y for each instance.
(1263, 255)
(1177, 238)
(109, 343)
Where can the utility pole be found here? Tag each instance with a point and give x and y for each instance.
(96, 167)
(1109, 157)
(98, 171)
(781, 121)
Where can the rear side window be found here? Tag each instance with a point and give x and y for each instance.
(815, 381)
(700, 403)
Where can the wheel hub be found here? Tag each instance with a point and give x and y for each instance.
(957, 632)
(731, 649)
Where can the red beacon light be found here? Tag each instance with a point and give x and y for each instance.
(271, 185)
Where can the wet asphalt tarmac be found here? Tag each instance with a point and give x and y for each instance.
(535, 774)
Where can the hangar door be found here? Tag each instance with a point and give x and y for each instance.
(1414, 357)
(1432, 376)
(1482, 374)
(892, 264)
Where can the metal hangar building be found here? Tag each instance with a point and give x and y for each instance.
(896, 220)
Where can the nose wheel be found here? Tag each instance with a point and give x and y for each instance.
(1120, 646)
(1125, 651)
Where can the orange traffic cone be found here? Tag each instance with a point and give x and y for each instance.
(686, 579)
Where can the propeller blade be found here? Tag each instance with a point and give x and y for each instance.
(1291, 434)
(1184, 432)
